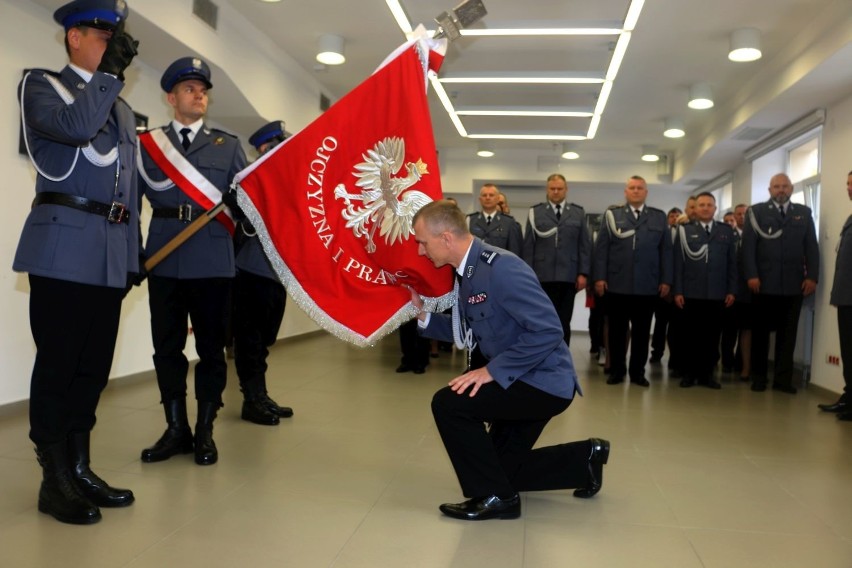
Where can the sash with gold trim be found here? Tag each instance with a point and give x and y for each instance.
(183, 174)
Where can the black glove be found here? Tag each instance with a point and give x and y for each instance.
(120, 51)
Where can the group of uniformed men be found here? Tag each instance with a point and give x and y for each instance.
(81, 246)
(699, 273)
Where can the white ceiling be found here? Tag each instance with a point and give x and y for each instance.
(676, 43)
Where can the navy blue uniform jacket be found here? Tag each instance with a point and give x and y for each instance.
(710, 278)
(513, 321)
(64, 243)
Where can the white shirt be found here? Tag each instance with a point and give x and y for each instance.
(194, 127)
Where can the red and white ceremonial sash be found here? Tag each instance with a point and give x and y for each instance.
(183, 174)
(333, 205)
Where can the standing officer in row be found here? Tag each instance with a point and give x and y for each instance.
(705, 281)
(492, 225)
(632, 267)
(195, 280)
(558, 247)
(664, 306)
(841, 296)
(259, 302)
(79, 244)
(781, 263)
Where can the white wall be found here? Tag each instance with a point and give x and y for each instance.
(835, 208)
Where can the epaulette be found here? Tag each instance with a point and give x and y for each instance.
(218, 131)
(655, 209)
(489, 256)
(56, 74)
(575, 205)
(506, 215)
(613, 207)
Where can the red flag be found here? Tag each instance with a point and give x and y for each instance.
(333, 204)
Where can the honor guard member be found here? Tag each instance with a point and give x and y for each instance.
(705, 282)
(494, 227)
(79, 245)
(841, 296)
(781, 263)
(259, 301)
(558, 247)
(632, 267)
(529, 378)
(195, 280)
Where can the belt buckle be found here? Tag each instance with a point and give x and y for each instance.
(185, 212)
(117, 212)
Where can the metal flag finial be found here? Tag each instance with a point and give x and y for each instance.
(451, 23)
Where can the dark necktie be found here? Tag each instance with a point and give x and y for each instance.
(488, 219)
(783, 214)
(558, 211)
(636, 213)
(707, 229)
(184, 138)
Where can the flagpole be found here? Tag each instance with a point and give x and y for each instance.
(183, 236)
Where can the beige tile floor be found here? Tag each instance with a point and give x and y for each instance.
(697, 478)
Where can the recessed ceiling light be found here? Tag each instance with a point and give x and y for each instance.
(674, 128)
(700, 96)
(650, 154)
(745, 45)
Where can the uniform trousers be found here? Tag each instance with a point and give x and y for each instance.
(662, 315)
(844, 327)
(633, 313)
(562, 295)
(415, 349)
(704, 327)
(206, 302)
(728, 342)
(781, 314)
(74, 327)
(259, 304)
(499, 460)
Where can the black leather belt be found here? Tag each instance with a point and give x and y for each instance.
(114, 212)
(184, 213)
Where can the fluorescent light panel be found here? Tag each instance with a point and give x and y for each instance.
(497, 136)
(522, 111)
(630, 21)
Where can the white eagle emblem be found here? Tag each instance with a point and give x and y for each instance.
(386, 199)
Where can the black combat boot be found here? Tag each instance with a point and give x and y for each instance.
(88, 482)
(254, 410)
(59, 495)
(205, 447)
(177, 438)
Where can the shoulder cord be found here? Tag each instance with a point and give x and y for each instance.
(763, 234)
(462, 336)
(155, 185)
(539, 233)
(93, 156)
(703, 252)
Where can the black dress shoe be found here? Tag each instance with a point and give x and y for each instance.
(789, 389)
(482, 508)
(839, 406)
(687, 383)
(711, 384)
(613, 380)
(758, 386)
(403, 368)
(418, 370)
(845, 416)
(272, 406)
(597, 459)
(640, 382)
(254, 411)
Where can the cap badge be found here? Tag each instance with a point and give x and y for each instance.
(196, 63)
